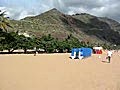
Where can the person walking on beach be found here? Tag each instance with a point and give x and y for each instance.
(35, 51)
(109, 54)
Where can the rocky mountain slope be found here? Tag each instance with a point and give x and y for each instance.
(83, 26)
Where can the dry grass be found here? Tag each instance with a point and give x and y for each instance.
(58, 72)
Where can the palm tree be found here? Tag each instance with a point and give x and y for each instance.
(4, 22)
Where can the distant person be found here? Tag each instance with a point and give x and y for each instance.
(35, 51)
(109, 54)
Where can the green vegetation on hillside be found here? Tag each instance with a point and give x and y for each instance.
(84, 27)
(12, 41)
(54, 31)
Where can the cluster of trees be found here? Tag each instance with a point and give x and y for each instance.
(12, 41)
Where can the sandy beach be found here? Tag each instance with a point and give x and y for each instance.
(59, 72)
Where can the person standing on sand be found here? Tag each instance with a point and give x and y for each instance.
(35, 51)
(109, 54)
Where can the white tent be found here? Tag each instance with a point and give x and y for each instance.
(97, 48)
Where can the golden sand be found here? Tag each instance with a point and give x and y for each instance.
(59, 72)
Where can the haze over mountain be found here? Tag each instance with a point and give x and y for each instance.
(83, 26)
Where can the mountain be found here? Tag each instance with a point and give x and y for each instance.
(114, 25)
(101, 27)
(83, 26)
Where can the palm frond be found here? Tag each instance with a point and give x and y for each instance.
(4, 22)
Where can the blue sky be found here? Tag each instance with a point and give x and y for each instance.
(18, 9)
(22, 8)
(20, 3)
(23, 3)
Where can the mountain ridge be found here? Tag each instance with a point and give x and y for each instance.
(85, 27)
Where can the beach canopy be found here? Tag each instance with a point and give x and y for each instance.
(97, 50)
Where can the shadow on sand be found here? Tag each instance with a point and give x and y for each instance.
(105, 62)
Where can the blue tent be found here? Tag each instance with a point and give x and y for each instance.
(75, 50)
(84, 52)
